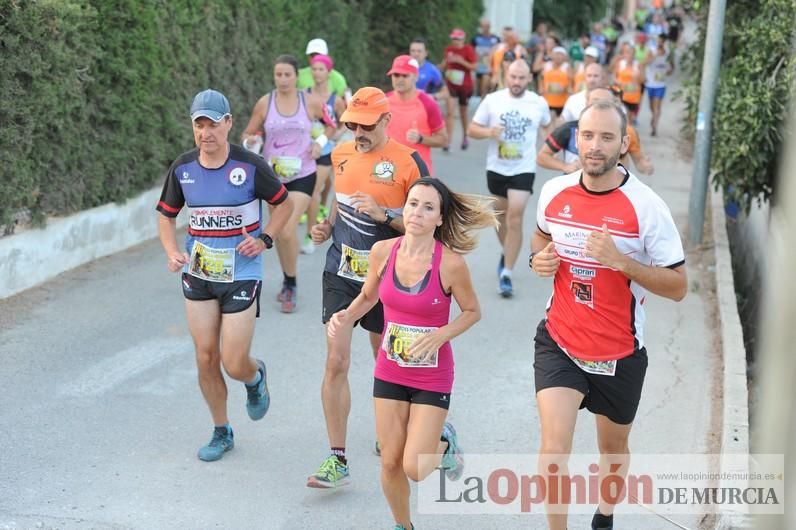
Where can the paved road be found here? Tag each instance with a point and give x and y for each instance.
(101, 415)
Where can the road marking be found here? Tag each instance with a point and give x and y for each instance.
(125, 365)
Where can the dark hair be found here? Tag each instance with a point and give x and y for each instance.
(419, 40)
(286, 58)
(462, 215)
(607, 105)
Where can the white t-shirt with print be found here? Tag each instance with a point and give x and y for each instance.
(521, 117)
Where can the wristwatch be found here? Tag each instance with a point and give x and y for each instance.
(530, 259)
(265, 238)
(388, 217)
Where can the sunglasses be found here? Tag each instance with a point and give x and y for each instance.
(351, 126)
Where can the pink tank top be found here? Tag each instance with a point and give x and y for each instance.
(408, 315)
(288, 141)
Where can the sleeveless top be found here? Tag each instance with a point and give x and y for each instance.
(288, 141)
(627, 75)
(556, 84)
(408, 315)
(579, 81)
(318, 126)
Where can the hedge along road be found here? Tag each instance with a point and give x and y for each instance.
(102, 415)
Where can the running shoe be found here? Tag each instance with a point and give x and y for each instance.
(307, 247)
(452, 459)
(323, 213)
(331, 474)
(402, 527)
(465, 144)
(602, 522)
(222, 441)
(505, 288)
(288, 298)
(258, 399)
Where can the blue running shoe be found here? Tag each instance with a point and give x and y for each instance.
(258, 399)
(402, 527)
(453, 459)
(505, 288)
(223, 440)
(331, 474)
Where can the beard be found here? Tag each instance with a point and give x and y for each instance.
(598, 168)
(364, 144)
(517, 90)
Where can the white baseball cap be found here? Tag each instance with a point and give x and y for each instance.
(317, 46)
(592, 51)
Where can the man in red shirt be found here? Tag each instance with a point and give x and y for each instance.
(606, 239)
(459, 63)
(416, 120)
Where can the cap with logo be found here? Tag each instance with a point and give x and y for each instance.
(317, 46)
(592, 51)
(457, 33)
(210, 104)
(366, 106)
(404, 64)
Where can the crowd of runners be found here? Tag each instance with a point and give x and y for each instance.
(356, 167)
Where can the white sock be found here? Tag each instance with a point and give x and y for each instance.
(505, 273)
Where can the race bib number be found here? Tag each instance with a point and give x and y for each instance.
(595, 367)
(660, 76)
(212, 264)
(353, 264)
(286, 167)
(397, 340)
(630, 87)
(456, 77)
(555, 88)
(509, 150)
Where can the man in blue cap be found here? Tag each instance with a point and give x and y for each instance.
(222, 186)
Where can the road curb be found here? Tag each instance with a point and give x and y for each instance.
(735, 395)
(39, 254)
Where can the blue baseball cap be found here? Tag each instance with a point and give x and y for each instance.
(210, 104)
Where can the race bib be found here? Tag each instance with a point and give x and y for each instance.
(595, 367)
(397, 340)
(286, 167)
(630, 87)
(212, 264)
(555, 88)
(660, 76)
(456, 77)
(353, 264)
(509, 150)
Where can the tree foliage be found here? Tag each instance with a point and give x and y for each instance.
(96, 92)
(569, 18)
(756, 84)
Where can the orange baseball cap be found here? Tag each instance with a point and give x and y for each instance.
(404, 64)
(367, 105)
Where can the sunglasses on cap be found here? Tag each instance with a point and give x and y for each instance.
(351, 126)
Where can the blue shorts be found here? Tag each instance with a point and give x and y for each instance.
(656, 92)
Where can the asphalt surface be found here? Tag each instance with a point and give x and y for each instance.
(101, 415)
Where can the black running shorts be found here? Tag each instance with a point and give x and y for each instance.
(305, 185)
(338, 293)
(499, 185)
(232, 297)
(616, 397)
(386, 390)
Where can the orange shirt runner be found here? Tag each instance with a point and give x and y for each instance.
(421, 113)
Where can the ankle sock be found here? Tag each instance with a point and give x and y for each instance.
(290, 281)
(339, 452)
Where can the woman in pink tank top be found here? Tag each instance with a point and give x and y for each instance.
(283, 120)
(415, 276)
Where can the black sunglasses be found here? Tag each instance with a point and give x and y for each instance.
(351, 126)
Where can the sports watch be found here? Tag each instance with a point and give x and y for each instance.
(265, 238)
(388, 217)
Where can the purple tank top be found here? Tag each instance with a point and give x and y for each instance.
(288, 141)
(405, 317)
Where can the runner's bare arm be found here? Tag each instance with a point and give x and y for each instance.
(256, 121)
(365, 203)
(323, 231)
(368, 295)
(480, 132)
(544, 259)
(667, 282)
(456, 279)
(167, 230)
(438, 138)
(546, 158)
(279, 217)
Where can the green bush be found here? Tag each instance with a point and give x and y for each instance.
(96, 92)
(756, 83)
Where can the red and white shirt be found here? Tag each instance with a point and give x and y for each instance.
(596, 313)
